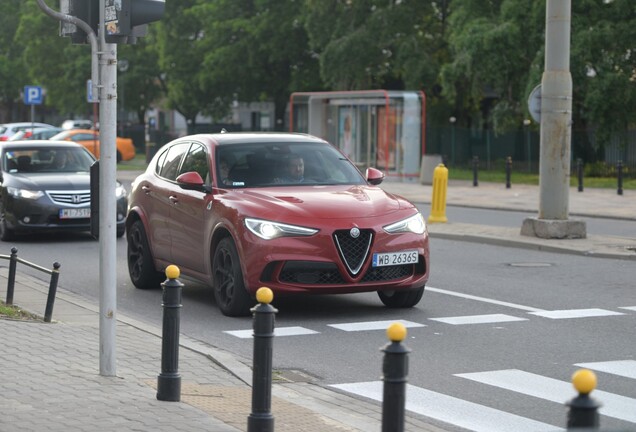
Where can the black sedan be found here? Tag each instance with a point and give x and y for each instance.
(45, 186)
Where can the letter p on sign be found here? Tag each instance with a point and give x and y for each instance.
(32, 95)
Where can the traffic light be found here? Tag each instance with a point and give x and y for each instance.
(87, 11)
(124, 20)
(126, 24)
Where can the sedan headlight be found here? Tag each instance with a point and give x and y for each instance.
(25, 193)
(270, 230)
(414, 224)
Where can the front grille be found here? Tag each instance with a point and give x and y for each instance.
(70, 198)
(353, 251)
(379, 274)
(321, 273)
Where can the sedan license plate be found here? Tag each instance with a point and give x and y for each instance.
(394, 258)
(78, 213)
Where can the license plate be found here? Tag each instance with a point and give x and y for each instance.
(394, 258)
(78, 213)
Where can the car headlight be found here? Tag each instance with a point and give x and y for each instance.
(270, 230)
(414, 224)
(120, 190)
(25, 193)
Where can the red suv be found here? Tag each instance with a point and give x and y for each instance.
(239, 211)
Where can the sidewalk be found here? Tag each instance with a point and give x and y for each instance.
(51, 375)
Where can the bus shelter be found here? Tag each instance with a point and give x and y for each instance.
(374, 128)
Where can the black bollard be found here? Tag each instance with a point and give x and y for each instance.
(579, 172)
(619, 176)
(583, 412)
(508, 171)
(13, 262)
(261, 418)
(50, 299)
(169, 380)
(395, 368)
(475, 169)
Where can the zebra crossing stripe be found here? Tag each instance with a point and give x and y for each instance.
(478, 319)
(624, 368)
(278, 331)
(553, 390)
(372, 325)
(575, 313)
(451, 410)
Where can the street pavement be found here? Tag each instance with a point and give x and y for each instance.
(51, 371)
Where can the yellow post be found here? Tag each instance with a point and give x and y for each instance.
(438, 203)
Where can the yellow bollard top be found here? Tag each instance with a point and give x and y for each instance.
(396, 332)
(584, 381)
(172, 271)
(264, 295)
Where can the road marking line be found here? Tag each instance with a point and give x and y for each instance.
(278, 331)
(478, 319)
(575, 313)
(624, 368)
(373, 325)
(553, 390)
(451, 410)
(484, 299)
(631, 308)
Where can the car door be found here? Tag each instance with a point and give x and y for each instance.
(157, 203)
(188, 227)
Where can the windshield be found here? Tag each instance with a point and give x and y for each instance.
(47, 160)
(283, 164)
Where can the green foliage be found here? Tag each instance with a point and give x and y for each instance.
(475, 60)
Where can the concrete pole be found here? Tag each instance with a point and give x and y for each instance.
(556, 131)
(556, 113)
(107, 202)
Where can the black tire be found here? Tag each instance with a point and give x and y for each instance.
(229, 288)
(401, 299)
(140, 264)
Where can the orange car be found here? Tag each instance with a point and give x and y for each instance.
(90, 139)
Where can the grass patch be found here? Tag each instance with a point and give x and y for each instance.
(138, 163)
(14, 312)
(533, 179)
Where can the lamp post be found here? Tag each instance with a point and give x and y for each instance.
(452, 121)
(526, 126)
(122, 66)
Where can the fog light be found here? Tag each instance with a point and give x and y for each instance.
(26, 219)
(120, 217)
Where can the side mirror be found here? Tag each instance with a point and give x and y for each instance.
(191, 181)
(374, 176)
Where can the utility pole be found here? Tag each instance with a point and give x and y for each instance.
(104, 24)
(556, 131)
(107, 201)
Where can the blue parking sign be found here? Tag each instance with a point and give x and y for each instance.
(33, 95)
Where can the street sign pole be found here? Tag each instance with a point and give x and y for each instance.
(107, 201)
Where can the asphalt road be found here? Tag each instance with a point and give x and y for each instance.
(488, 309)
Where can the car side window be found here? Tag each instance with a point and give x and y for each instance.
(170, 168)
(196, 160)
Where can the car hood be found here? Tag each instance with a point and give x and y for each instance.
(67, 181)
(323, 202)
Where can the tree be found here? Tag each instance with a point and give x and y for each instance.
(141, 82)
(12, 68)
(51, 61)
(494, 45)
(181, 51)
(259, 50)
